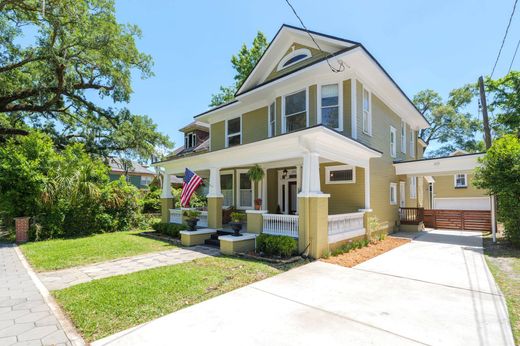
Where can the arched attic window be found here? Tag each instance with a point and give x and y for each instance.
(294, 57)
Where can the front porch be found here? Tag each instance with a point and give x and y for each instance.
(316, 188)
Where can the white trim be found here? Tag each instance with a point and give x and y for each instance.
(402, 194)
(339, 84)
(439, 166)
(455, 180)
(393, 195)
(231, 238)
(284, 116)
(353, 106)
(233, 134)
(285, 182)
(329, 169)
(269, 132)
(412, 143)
(413, 187)
(483, 196)
(253, 211)
(368, 130)
(232, 173)
(393, 145)
(237, 190)
(301, 51)
(403, 137)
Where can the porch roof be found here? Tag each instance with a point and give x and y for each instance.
(328, 144)
(439, 165)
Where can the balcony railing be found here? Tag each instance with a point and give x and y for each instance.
(411, 216)
(345, 226)
(280, 224)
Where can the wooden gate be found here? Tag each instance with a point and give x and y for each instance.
(470, 220)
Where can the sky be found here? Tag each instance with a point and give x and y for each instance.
(439, 45)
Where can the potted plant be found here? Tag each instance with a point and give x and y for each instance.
(236, 223)
(258, 203)
(192, 219)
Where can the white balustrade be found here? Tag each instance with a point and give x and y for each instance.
(345, 226)
(176, 216)
(280, 224)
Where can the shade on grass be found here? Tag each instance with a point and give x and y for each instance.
(63, 253)
(103, 307)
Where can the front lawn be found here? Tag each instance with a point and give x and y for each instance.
(103, 307)
(64, 253)
(504, 263)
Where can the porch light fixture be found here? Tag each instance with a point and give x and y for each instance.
(284, 174)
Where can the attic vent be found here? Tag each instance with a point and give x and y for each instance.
(294, 57)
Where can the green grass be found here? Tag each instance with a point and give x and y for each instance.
(504, 263)
(103, 307)
(64, 253)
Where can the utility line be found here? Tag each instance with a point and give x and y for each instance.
(504, 39)
(514, 56)
(334, 69)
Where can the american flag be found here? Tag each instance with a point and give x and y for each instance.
(189, 185)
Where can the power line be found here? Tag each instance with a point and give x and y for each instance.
(514, 56)
(334, 69)
(504, 39)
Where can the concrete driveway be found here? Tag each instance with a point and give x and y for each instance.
(436, 290)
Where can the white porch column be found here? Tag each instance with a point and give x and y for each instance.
(311, 175)
(166, 186)
(214, 183)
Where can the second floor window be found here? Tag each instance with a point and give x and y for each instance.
(393, 146)
(295, 111)
(330, 106)
(272, 120)
(412, 143)
(190, 140)
(234, 132)
(367, 112)
(403, 137)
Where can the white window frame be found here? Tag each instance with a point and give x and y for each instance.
(237, 197)
(393, 193)
(329, 169)
(393, 145)
(190, 140)
(413, 187)
(269, 120)
(412, 143)
(232, 173)
(233, 134)
(284, 116)
(340, 104)
(301, 51)
(403, 137)
(455, 176)
(366, 121)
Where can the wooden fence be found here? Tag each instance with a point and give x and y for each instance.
(471, 220)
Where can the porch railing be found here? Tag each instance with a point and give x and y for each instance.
(176, 217)
(345, 226)
(411, 216)
(280, 224)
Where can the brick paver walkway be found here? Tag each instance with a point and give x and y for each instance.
(25, 317)
(64, 278)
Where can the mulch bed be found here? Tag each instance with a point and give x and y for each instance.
(357, 256)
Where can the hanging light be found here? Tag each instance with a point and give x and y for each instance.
(284, 174)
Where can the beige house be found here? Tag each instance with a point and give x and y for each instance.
(328, 127)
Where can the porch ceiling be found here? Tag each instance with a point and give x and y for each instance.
(329, 144)
(439, 166)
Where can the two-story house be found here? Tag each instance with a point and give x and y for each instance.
(327, 126)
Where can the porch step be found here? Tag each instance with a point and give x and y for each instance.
(212, 242)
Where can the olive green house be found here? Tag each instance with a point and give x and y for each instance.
(327, 126)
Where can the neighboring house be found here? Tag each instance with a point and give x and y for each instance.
(138, 175)
(327, 141)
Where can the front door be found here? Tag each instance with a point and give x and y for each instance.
(293, 197)
(402, 194)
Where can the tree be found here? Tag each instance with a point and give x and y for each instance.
(243, 63)
(450, 125)
(499, 173)
(66, 70)
(505, 103)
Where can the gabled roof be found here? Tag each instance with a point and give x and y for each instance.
(116, 165)
(195, 125)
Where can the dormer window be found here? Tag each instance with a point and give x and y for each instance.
(190, 140)
(294, 57)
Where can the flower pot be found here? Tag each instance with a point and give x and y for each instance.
(236, 226)
(258, 206)
(192, 224)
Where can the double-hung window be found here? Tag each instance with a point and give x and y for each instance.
(393, 146)
(329, 107)
(295, 111)
(367, 112)
(461, 180)
(393, 193)
(272, 120)
(412, 143)
(233, 132)
(413, 187)
(403, 137)
(190, 140)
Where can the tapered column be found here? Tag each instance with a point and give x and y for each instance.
(215, 199)
(167, 201)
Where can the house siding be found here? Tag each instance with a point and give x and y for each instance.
(344, 198)
(254, 125)
(444, 188)
(347, 108)
(218, 140)
(313, 104)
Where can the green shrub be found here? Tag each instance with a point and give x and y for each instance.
(347, 247)
(169, 229)
(237, 217)
(275, 245)
(151, 200)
